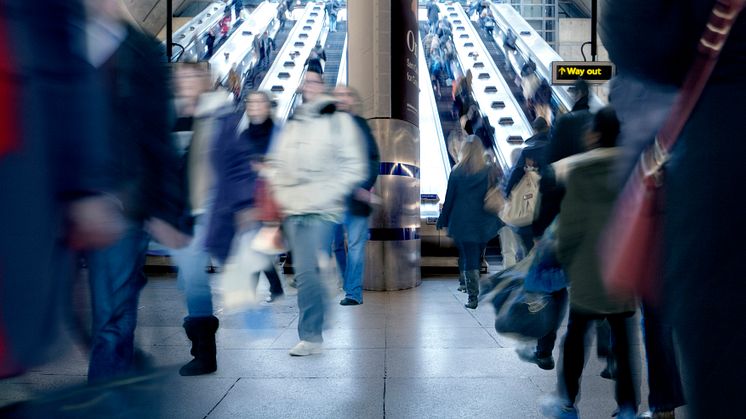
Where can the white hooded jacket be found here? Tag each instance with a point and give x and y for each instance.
(316, 161)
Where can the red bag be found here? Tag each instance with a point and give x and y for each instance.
(266, 207)
(631, 246)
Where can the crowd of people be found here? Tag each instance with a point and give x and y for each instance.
(88, 162)
(138, 186)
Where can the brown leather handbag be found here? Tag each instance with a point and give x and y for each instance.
(631, 247)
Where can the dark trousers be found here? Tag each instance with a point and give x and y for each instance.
(275, 285)
(545, 345)
(470, 255)
(663, 372)
(574, 352)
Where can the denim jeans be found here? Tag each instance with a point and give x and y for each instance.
(357, 236)
(470, 255)
(309, 238)
(332, 22)
(116, 279)
(339, 249)
(193, 278)
(545, 345)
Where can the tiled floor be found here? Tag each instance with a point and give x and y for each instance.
(407, 354)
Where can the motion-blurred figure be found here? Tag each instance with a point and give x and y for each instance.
(703, 272)
(358, 206)
(200, 324)
(585, 209)
(315, 164)
(145, 175)
(469, 225)
(52, 174)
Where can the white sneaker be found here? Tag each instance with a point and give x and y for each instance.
(304, 348)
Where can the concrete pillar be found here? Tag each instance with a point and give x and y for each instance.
(382, 66)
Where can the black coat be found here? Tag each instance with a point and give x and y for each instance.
(704, 224)
(463, 210)
(536, 149)
(569, 132)
(145, 167)
(51, 151)
(357, 207)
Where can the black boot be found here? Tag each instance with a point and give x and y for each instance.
(472, 288)
(201, 331)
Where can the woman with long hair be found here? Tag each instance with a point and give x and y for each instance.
(469, 225)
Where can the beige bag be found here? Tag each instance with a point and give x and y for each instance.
(494, 201)
(522, 205)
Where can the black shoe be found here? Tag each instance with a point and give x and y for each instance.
(472, 303)
(349, 302)
(527, 354)
(609, 372)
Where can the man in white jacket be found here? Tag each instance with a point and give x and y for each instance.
(313, 166)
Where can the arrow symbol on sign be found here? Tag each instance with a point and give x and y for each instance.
(562, 70)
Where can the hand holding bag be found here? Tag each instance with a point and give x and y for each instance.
(631, 247)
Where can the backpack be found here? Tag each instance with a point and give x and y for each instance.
(522, 205)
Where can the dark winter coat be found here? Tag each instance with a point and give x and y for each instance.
(235, 178)
(463, 210)
(704, 222)
(145, 165)
(51, 150)
(374, 162)
(569, 132)
(535, 149)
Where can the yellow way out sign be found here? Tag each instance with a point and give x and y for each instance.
(566, 72)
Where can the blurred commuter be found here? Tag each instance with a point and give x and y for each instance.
(569, 129)
(533, 155)
(234, 82)
(487, 21)
(332, 8)
(702, 258)
(53, 171)
(456, 140)
(146, 175)
(358, 204)
(313, 63)
(316, 162)
(200, 324)
(237, 157)
(319, 50)
(541, 101)
(463, 214)
(585, 210)
(268, 45)
(433, 13)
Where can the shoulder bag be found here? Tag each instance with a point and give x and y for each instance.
(631, 246)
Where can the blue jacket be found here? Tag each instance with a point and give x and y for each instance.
(463, 210)
(234, 179)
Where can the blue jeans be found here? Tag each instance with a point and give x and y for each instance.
(338, 247)
(116, 279)
(309, 237)
(193, 278)
(357, 236)
(470, 255)
(332, 22)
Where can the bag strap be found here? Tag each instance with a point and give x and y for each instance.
(724, 14)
